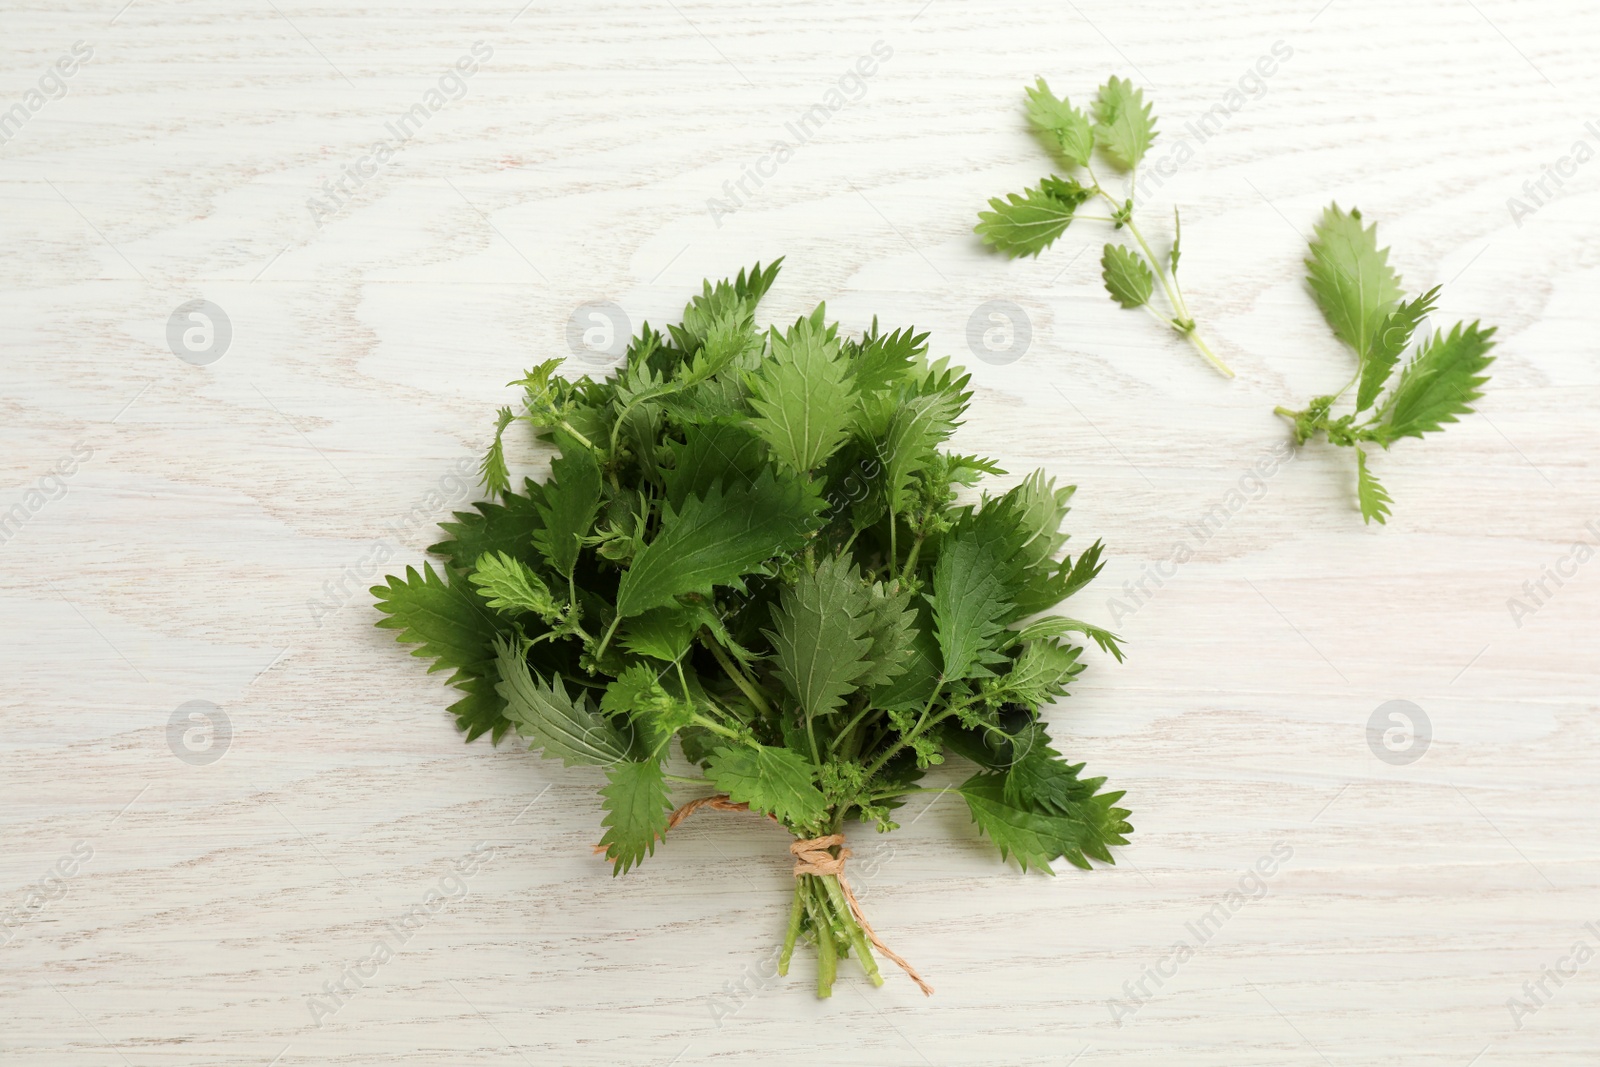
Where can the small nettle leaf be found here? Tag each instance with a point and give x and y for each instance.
(637, 806)
(1374, 498)
(1351, 278)
(563, 727)
(1123, 125)
(1034, 834)
(970, 607)
(512, 587)
(1127, 279)
(1393, 336)
(1439, 386)
(774, 781)
(1026, 225)
(718, 539)
(571, 501)
(1064, 128)
(821, 635)
(803, 396)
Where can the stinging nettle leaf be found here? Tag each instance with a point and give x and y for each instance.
(1439, 386)
(774, 781)
(571, 501)
(1351, 279)
(717, 540)
(564, 728)
(1392, 338)
(1028, 224)
(1123, 125)
(821, 635)
(803, 397)
(1127, 279)
(637, 807)
(1064, 128)
(1374, 498)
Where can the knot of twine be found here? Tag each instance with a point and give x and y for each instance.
(812, 856)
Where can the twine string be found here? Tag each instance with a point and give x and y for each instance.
(813, 856)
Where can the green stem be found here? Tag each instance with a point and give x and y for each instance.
(827, 951)
(1174, 297)
(737, 676)
(852, 929)
(796, 912)
(851, 725)
(606, 640)
(578, 437)
(714, 726)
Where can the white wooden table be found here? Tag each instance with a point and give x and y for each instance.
(207, 532)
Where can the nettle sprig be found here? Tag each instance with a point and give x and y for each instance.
(1121, 130)
(749, 553)
(1362, 299)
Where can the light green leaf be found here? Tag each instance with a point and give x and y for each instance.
(1028, 224)
(566, 729)
(821, 638)
(1351, 279)
(1439, 386)
(774, 781)
(803, 396)
(1393, 337)
(571, 500)
(716, 540)
(1123, 124)
(636, 805)
(1375, 499)
(660, 633)
(1039, 675)
(1056, 625)
(492, 470)
(1063, 127)
(512, 587)
(1127, 279)
(716, 452)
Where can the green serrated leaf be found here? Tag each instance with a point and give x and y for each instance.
(774, 781)
(821, 636)
(1123, 125)
(1064, 128)
(506, 526)
(453, 627)
(1127, 279)
(803, 397)
(1351, 279)
(1034, 835)
(511, 586)
(1439, 386)
(564, 728)
(717, 540)
(919, 426)
(1375, 499)
(1028, 224)
(969, 606)
(637, 806)
(571, 501)
(1393, 336)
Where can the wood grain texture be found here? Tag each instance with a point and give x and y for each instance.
(212, 508)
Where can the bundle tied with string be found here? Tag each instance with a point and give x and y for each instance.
(816, 857)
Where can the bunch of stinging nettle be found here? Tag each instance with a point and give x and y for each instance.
(749, 542)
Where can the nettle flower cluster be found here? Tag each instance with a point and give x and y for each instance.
(749, 554)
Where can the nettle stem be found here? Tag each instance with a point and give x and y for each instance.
(1182, 321)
